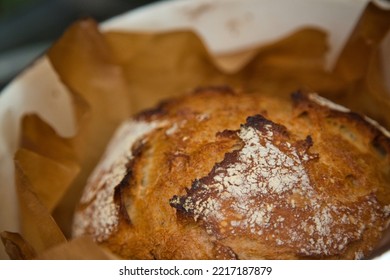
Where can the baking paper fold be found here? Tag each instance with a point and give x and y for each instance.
(113, 75)
(360, 65)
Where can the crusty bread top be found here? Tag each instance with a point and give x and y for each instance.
(219, 174)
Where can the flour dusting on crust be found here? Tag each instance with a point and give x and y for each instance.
(98, 195)
(264, 190)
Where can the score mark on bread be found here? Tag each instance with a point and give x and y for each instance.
(247, 177)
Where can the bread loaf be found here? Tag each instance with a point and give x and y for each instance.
(218, 174)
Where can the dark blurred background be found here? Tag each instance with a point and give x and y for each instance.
(27, 27)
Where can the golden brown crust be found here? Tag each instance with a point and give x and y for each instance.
(222, 175)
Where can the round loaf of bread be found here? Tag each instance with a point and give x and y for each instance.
(217, 174)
